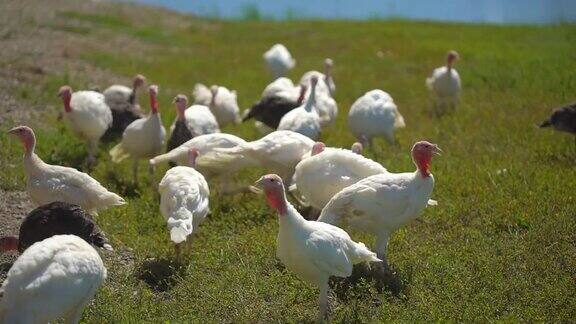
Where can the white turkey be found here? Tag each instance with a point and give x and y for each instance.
(327, 82)
(222, 102)
(278, 60)
(382, 203)
(278, 152)
(325, 104)
(445, 84)
(280, 85)
(198, 118)
(88, 115)
(46, 183)
(374, 115)
(202, 95)
(315, 251)
(327, 108)
(224, 106)
(203, 144)
(54, 278)
(143, 139)
(329, 170)
(304, 119)
(184, 201)
(122, 100)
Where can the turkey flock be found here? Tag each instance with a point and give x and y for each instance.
(59, 271)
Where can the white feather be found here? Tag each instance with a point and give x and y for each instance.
(304, 119)
(47, 183)
(204, 144)
(278, 151)
(323, 175)
(375, 114)
(90, 116)
(183, 201)
(445, 85)
(53, 278)
(142, 139)
(279, 60)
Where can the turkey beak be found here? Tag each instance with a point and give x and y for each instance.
(260, 183)
(437, 150)
(12, 131)
(258, 186)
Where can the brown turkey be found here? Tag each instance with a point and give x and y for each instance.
(55, 218)
(562, 119)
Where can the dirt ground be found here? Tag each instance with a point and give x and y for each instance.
(31, 51)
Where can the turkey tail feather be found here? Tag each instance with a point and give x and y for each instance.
(118, 153)
(230, 159)
(160, 159)
(399, 121)
(429, 83)
(363, 254)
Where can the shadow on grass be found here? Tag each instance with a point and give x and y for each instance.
(161, 274)
(72, 158)
(125, 188)
(565, 158)
(384, 281)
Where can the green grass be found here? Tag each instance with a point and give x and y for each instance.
(498, 247)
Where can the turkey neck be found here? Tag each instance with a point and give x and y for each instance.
(423, 164)
(287, 215)
(180, 110)
(449, 66)
(66, 100)
(153, 104)
(132, 98)
(290, 218)
(311, 100)
(327, 74)
(8, 243)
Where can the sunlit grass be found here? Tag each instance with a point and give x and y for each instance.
(500, 245)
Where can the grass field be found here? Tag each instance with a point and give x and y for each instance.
(499, 246)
